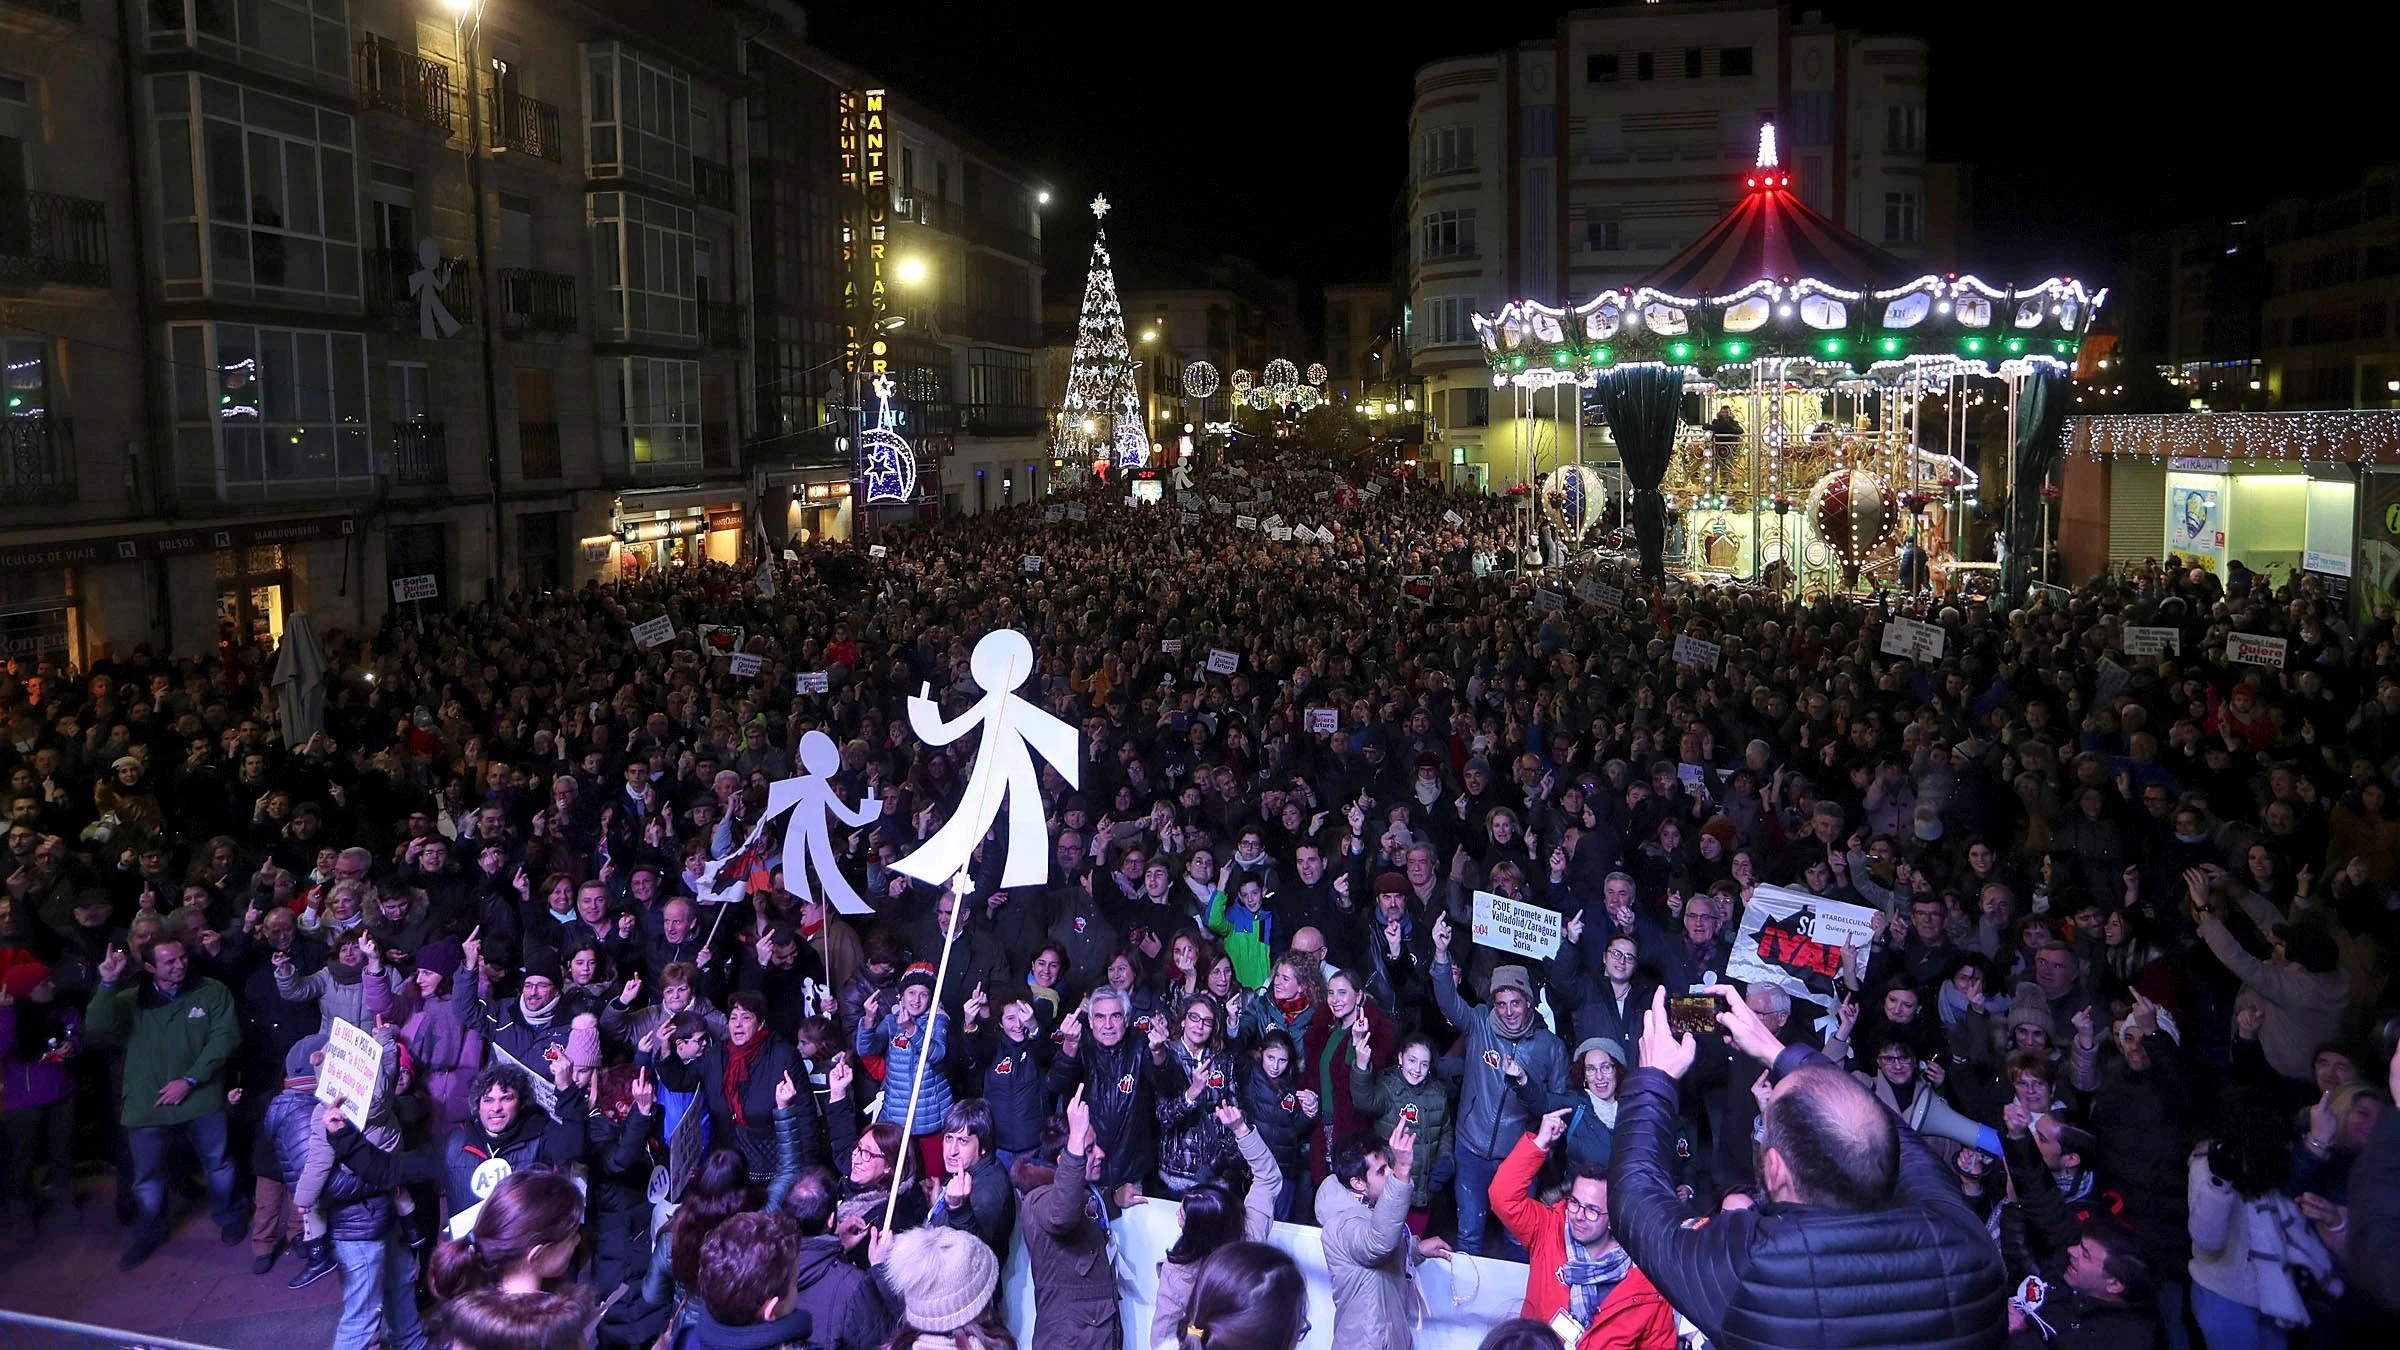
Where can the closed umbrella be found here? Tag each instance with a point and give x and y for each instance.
(299, 680)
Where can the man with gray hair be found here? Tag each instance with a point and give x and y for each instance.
(1124, 1076)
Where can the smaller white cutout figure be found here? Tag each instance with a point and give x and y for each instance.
(1013, 731)
(811, 798)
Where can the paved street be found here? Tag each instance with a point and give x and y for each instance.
(193, 1289)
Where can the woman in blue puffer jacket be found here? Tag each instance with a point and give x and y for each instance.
(901, 1035)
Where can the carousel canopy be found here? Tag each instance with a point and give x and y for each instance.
(1777, 291)
(1772, 235)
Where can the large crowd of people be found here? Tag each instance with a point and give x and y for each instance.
(2121, 1035)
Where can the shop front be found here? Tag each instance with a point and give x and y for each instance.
(808, 506)
(2280, 493)
(673, 529)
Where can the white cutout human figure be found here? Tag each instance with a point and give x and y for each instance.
(425, 285)
(811, 798)
(807, 838)
(1182, 477)
(1003, 773)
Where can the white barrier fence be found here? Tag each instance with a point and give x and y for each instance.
(1458, 1298)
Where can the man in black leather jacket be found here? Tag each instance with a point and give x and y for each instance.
(1865, 1240)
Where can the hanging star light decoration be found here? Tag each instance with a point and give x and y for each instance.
(888, 469)
(1100, 206)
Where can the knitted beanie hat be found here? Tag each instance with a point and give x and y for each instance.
(583, 1042)
(944, 1277)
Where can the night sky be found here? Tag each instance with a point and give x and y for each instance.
(1278, 132)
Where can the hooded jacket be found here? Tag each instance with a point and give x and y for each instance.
(1367, 1250)
(845, 1312)
(1009, 1074)
(705, 1332)
(1490, 1115)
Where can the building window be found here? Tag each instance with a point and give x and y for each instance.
(312, 36)
(1691, 63)
(1604, 236)
(1448, 319)
(643, 252)
(1600, 68)
(650, 409)
(1000, 392)
(1733, 61)
(1450, 234)
(1447, 150)
(1904, 129)
(639, 115)
(1645, 66)
(269, 412)
(1902, 221)
(28, 381)
(269, 183)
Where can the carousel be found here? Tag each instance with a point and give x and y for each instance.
(1768, 393)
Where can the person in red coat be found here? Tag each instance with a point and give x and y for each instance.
(1325, 1060)
(1576, 1273)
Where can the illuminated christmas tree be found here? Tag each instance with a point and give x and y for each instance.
(1101, 417)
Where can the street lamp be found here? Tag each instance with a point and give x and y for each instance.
(1150, 335)
(911, 271)
(891, 324)
(1042, 198)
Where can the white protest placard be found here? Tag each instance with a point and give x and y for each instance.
(1245, 522)
(2111, 681)
(405, 589)
(1373, 488)
(1051, 515)
(1076, 512)
(877, 551)
(1032, 563)
(719, 638)
(744, 663)
(545, 1092)
(352, 1071)
(1547, 601)
(2254, 649)
(1799, 943)
(653, 632)
(1273, 522)
(1130, 499)
(1190, 518)
(1223, 662)
(2141, 640)
(1515, 926)
(1280, 534)
(812, 682)
(1453, 518)
(1221, 508)
(791, 555)
(1322, 496)
(1324, 721)
(1912, 638)
(1692, 651)
(1171, 646)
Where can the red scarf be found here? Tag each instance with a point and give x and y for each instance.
(739, 1060)
(809, 931)
(1294, 1006)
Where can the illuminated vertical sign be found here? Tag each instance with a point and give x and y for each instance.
(866, 224)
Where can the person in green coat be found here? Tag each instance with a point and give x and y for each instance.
(179, 1030)
(1409, 1093)
(1248, 929)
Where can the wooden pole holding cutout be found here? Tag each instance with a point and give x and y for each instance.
(916, 1084)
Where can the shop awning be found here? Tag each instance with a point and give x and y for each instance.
(636, 500)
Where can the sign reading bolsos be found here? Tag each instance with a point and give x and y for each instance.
(1515, 926)
(654, 632)
(2254, 649)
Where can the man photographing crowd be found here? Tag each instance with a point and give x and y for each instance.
(1864, 1239)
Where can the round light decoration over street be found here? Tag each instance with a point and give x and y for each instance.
(1242, 380)
(1199, 380)
(1281, 374)
(1316, 372)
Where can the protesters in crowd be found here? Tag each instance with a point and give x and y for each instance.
(2111, 911)
(1245, 1296)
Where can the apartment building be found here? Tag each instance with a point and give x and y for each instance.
(336, 305)
(2330, 323)
(1590, 157)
